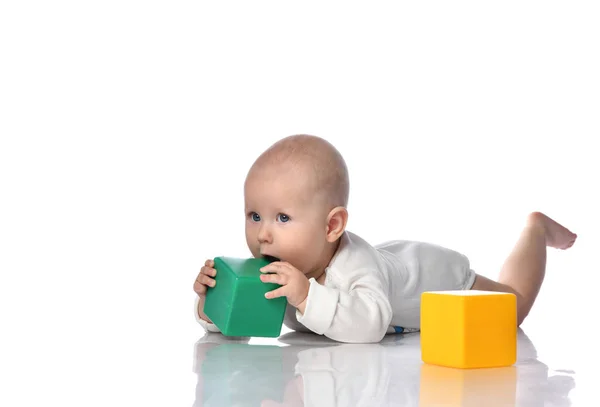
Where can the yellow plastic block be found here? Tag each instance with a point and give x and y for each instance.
(441, 386)
(468, 329)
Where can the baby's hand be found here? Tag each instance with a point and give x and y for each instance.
(203, 281)
(294, 283)
(205, 278)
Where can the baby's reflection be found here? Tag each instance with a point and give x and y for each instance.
(343, 375)
(307, 372)
(312, 371)
(534, 385)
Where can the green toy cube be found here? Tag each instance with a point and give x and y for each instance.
(237, 303)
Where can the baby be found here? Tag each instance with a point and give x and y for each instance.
(337, 284)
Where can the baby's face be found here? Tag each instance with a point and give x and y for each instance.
(284, 219)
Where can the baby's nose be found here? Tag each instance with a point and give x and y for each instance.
(264, 235)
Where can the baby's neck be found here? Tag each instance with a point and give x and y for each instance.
(321, 278)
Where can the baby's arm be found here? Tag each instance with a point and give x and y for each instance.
(204, 280)
(363, 314)
(201, 317)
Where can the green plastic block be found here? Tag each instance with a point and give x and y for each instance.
(237, 303)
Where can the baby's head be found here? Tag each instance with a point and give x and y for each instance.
(296, 194)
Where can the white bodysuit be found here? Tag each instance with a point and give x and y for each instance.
(373, 290)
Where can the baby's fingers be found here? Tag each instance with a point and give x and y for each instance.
(280, 292)
(274, 278)
(199, 288)
(206, 280)
(203, 281)
(209, 271)
(209, 263)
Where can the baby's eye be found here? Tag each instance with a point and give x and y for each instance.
(255, 217)
(283, 218)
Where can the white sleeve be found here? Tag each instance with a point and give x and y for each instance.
(206, 325)
(359, 316)
(290, 320)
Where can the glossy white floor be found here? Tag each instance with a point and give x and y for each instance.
(307, 370)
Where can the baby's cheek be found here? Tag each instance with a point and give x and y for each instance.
(302, 264)
(254, 249)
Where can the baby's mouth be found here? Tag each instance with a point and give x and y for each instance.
(270, 258)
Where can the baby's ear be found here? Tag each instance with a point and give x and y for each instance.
(336, 223)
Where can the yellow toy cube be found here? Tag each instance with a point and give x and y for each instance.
(468, 329)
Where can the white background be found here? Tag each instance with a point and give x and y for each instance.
(127, 128)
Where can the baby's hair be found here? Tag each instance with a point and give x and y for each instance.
(327, 164)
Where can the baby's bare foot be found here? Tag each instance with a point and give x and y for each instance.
(557, 236)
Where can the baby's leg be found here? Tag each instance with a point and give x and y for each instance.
(524, 269)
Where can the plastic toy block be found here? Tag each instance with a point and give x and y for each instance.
(468, 329)
(441, 386)
(237, 303)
